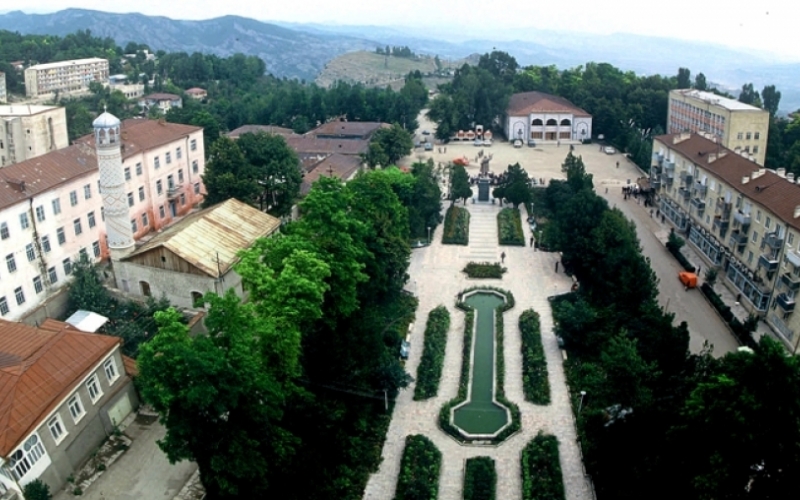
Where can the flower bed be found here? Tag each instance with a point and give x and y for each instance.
(456, 226)
(541, 470)
(480, 479)
(419, 469)
(485, 270)
(534, 365)
(430, 366)
(509, 227)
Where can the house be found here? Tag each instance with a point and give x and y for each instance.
(545, 118)
(310, 147)
(28, 131)
(65, 76)
(343, 167)
(195, 255)
(347, 130)
(254, 129)
(197, 93)
(163, 101)
(62, 392)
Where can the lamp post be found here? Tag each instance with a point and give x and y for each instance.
(580, 405)
(429, 235)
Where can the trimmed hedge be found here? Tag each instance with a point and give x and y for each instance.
(456, 226)
(486, 270)
(429, 371)
(419, 470)
(742, 331)
(534, 365)
(541, 470)
(480, 479)
(509, 228)
(500, 395)
(675, 250)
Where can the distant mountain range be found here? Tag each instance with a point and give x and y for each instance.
(301, 50)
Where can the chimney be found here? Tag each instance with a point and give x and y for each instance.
(781, 172)
(745, 179)
(790, 177)
(797, 211)
(756, 174)
(712, 158)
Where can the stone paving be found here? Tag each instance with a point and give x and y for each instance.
(437, 279)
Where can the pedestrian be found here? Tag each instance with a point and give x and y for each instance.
(606, 190)
(531, 240)
(503, 258)
(556, 266)
(698, 271)
(617, 164)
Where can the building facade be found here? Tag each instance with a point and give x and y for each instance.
(52, 211)
(65, 76)
(3, 92)
(742, 219)
(28, 131)
(738, 126)
(162, 101)
(545, 118)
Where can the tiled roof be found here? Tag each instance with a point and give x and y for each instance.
(339, 166)
(196, 90)
(254, 129)
(526, 103)
(769, 190)
(339, 128)
(211, 238)
(311, 145)
(38, 368)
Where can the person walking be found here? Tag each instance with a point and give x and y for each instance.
(503, 258)
(556, 266)
(531, 240)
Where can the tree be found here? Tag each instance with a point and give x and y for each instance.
(500, 64)
(459, 184)
(37, 490)
(276, 167)
(772, 99)
(87, 291)
(228, 175)
(375, 155)
(684, 78)
(514, 186)
(700, 82)
(394, 143)
(425, 201)
(749, 96)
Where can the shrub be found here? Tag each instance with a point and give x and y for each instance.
(480, 479)
(674, 246)
(490, 270)
(37, 490)
(456, 226)
(534, 366)
(509, 227)
(419, 470)
(742, 331)
(541, 470)
(430, 366)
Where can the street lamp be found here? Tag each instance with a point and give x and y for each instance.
(429, 235)
(580, 405)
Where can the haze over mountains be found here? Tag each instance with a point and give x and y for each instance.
(301, 50)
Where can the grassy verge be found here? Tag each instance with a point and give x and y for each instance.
(419, 470)
(534, 366)
(480, 479)
(456, 226)
(485, 270)
(541, 470)
(509, 228)
(429, 371)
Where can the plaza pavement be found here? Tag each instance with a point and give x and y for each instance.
(436, 278)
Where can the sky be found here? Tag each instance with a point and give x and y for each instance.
(765, 25)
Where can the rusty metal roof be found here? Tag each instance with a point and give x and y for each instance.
(211, 238)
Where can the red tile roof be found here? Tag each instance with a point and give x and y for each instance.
(38, 368)
(339, 166)
(304, 145)
(338, 128)
(253, 129)
(161, 96)
(526, 103)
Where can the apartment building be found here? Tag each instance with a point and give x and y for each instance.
(738, 126)
(3, 93)
(65, 76)
(52, 210)
(742, 218)
(28, 131)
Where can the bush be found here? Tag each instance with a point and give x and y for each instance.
(541, 470)
(534, 366)
(456, 226)
(742, 331)
(674, 246)
(488, 270)
(480, 479)
(37, 490)
(430, 366)
(419, 470)
(509, 227)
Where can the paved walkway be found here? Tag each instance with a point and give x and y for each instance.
(436, 279)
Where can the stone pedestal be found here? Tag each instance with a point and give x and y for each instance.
(483, 189)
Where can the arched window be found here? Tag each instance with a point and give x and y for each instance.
(551, 121)
(197, 299)
(145, 287)
(566, 122)
(22, 460)
(537, 122)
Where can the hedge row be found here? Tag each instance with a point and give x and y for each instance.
(429, 371)
(541, 470)
(534, 365)
(480, 479)
(486, 270)
(740, 330)
(509, 227)
(419, 470)
(456, 226)
(675, 250)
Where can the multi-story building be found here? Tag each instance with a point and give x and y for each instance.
(65, 76)
(160, 100)
(51, 208)
(3, 94)
(742, 218)
(738, 126)
(28, 131)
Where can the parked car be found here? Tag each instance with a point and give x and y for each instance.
(531, 143)
(428, 146)
(425, 132)
(609, 150)
(405, 347)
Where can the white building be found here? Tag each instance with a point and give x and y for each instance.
(28, 131)
(65, 76)
(3, 94)
(545, 118)
(161, 100)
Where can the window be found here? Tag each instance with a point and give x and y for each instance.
(87, 191)
(196, 188)
(93, 386)
(183, 199)
(11, 263)
(3, 306)
(76, 408)
(56, 206)
(67, 266)
(749, 135)
(193, 144)
(56, 427)
(19, 295)
(110, 367)
(790, 239)
(40, 213)
(30, 252)
(161, 212)
(24, 458)
(740, 136)
(23, 220)
(157, 162)
(170, 182)
(37, 284)
(755, 236)
(750, 257)
(4, 231)
(758, 216)
(127, 173)
(141, 194)
(130, 199)
(145, 288)
(77, 225)
(757, 135)
(195, 167)
(90, 218)
(145, 221)
(96, 248)
(83, 254)
(747, 149)
(755, 149)
(168, 157)
(61, 236)
(159, 188)
(180, 175)
(46, 244)
(52, 275)
(767, 223)
(178, 153)
(73, 198)
(139, 168)
(103, 213)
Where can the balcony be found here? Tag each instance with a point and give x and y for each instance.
(700, 190)
(655, 183)
(684, 193)
(173, 191)
(790, 281)
(699, 204)
(768, 262)
(742, 218)
(738, 239)
(687, 178)
(773, 240)
(721, 226)
(786, 302)
(723, 209)
(793, 258)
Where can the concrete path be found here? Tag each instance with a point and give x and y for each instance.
(437, 279)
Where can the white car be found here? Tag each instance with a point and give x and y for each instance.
(609, 150)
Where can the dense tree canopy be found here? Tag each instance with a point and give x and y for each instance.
(514, 186)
